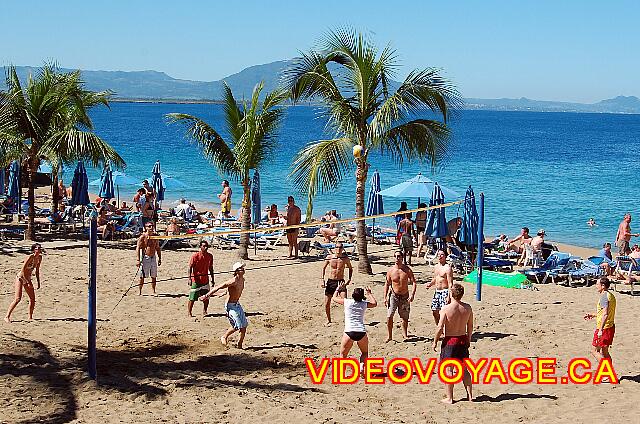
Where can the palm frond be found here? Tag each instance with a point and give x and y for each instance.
(321, 165)
(72, 144)
(420, 139)
(214, 148)
(232, 114)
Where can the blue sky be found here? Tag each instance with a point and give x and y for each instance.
(550, 50)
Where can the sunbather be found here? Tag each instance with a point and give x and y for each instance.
(105, 226)
(173, 229)
(607, 264)
(333, 230)
(635, 252)
(517, 244)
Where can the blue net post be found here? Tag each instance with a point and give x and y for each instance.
(91, 319)
(480, 248)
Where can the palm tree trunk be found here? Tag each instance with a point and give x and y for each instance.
(364, 267)
(31, 196)
(245, 224)
(55, 195)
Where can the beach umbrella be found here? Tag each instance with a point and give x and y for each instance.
(468, 235)
(14, 184)
(106, 183)
(375, 205)
(172, 183)
(256, 206)
(156, 182)
(120, 179)
(2, 181)
(417, 187)
(80, 186)
(437, 223)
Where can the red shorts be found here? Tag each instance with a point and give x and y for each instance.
(606, 339)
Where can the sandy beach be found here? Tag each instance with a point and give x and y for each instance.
(156, 363)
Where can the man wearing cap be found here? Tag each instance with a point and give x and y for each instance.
(200, 266)
(537, 241)
(235, 313)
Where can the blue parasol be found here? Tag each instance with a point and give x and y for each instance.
(437, 224)
(106, 183)
(468, 235)
(156, 182)
(417, 187)
(256, 201)
(80, 186)
(14, 183)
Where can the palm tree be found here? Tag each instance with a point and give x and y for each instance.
(48, 120)
(352, 78)
(251, 129)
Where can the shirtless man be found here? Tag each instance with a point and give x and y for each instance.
(336, 263)
(623, 236)
(406, 231)
(442, 279)
(235, 313)
(399, 277)
(294, 216)
(225, 199)
(146, 250)
(457, 324)
(538, 240)
(523, 238)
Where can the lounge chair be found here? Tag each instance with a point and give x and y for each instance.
(462, 262)
(582, 270)
(626, 266)
(64, 224)
(554, 267)
(132, 225)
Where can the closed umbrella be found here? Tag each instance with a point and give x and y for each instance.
(80, 186)
(375, 205)
(2, 181)
(156, 182)
(120, 179)
(14, 184)
(256, 201)
(469, 230)
(437, 223)
(106, 183)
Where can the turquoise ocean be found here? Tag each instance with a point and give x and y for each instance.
(536, 169)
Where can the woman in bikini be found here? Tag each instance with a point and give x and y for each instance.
(354, 329)
(23, 280)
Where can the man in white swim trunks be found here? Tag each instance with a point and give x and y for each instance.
(442, 279)
(235, 313)
(146, 250)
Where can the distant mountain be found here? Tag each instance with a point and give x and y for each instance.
(154, 85)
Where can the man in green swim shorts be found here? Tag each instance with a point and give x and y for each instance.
(200, 266)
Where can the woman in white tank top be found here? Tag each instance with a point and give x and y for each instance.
(354, 329)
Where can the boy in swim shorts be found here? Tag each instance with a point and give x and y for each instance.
(442, 279)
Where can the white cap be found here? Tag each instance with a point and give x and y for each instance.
(237, 266)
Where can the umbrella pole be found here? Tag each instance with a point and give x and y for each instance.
(480, 248)
(118, 190)
(255, 241)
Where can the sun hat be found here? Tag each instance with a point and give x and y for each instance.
(237, 266)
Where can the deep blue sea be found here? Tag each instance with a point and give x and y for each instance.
(541, 170)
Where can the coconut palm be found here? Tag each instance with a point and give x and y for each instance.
(252, 139)
(48, 120)
(352, 78)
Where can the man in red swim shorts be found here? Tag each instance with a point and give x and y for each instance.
(456, 321)
(605, 315)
